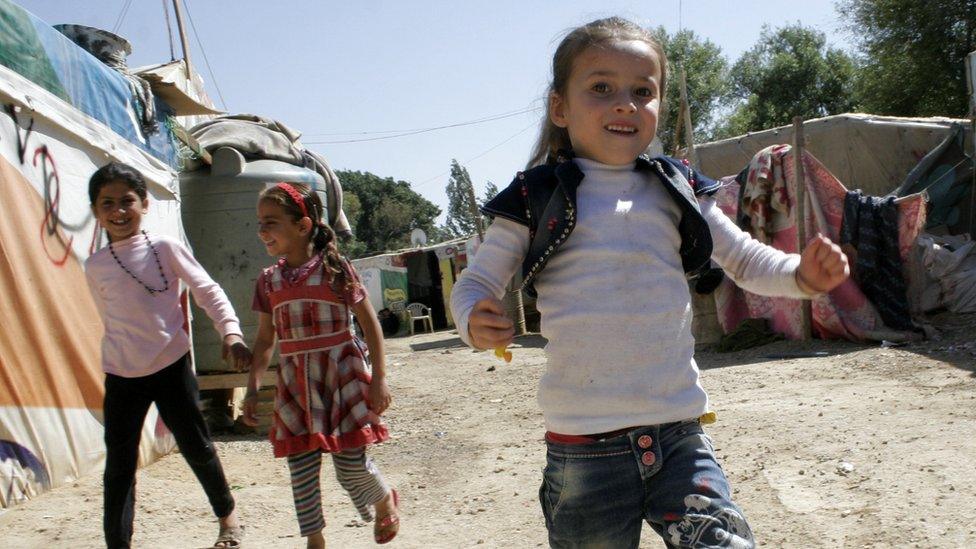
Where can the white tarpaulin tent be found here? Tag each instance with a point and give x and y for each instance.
(64, 114)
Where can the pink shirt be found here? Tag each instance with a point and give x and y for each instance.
(144, 332)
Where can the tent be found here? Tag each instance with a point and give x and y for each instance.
(878, 155)
(423, 275)
(64, 114)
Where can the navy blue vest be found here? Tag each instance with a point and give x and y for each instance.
(544, 200)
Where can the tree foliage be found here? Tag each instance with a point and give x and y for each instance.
(460, 220)
(706, 72)
(913, 54)
(789, 72)
(387, 211)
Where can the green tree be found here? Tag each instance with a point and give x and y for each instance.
(352, 247)
(460, 221)
(388, 211)
(913, 54)
(491, 190)
(706, 73)
(789, 72)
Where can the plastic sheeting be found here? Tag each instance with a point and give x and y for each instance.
(950, 272)
(41, 54)
(51, 383)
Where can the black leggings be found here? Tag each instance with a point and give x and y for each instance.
(174, 390)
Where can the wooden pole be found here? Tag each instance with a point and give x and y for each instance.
(692, 156)
(186, 45)
(971, 84)
(799, 184)
(473, 205)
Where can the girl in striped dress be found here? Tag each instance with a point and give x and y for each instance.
(329, 397)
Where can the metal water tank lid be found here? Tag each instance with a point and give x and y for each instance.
(219, 215)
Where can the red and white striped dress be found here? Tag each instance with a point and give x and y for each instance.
(324, 373)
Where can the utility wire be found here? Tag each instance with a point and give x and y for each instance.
(477, 156)
(425, 130)
(121, 17)
(204, 51)
(483, 119)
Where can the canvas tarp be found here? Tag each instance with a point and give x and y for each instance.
(867, 152)
(53, 135)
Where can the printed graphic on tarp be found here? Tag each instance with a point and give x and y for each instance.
(35, 50)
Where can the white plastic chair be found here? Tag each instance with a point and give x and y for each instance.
(419, 311)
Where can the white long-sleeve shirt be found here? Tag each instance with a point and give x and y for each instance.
(615, 302)
(143, 332)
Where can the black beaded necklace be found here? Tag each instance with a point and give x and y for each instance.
(152, 291)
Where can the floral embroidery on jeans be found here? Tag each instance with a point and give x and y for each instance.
(705, 525)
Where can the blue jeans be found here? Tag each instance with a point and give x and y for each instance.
(597, 495)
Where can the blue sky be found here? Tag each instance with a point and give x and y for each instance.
(334, 70)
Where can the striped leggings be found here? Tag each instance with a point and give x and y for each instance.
(356, 474)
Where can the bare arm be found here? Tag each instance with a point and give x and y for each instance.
(379, 397)
(261, 357)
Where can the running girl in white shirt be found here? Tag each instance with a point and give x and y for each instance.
(606, 238)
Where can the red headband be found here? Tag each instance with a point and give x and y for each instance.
(295, 195)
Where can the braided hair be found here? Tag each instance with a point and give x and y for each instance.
(323, 238)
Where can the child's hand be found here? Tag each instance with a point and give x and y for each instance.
(378, 398)
(240, 355)
(249, 410)
(488, 326)
(823, 266)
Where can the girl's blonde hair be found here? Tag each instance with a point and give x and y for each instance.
(323, 238)
(552, 138)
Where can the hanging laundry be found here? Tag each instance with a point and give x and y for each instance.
(870, 227)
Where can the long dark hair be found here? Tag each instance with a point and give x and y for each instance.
(552, 138)
(323, 238)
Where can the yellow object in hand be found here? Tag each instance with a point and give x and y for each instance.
(502, 352)
(707, 418)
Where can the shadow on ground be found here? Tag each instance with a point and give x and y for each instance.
(450, 340)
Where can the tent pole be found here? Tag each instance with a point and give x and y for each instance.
(806, 317)
(691, 155)
(186, 45)
(971, 84)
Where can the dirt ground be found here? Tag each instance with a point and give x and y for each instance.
(866, 447)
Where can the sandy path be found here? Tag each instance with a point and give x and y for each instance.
(467, 455)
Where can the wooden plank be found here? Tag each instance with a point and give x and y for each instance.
(799, 184)
(180, 133)
(237, 379)
(971, 84)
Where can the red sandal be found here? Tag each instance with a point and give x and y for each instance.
(393, 519)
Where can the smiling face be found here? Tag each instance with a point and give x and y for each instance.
(119, 210)
(281, 234)
(611, 102)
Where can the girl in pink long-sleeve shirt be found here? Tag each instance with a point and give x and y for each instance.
(145, 349)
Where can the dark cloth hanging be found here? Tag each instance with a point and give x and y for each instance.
(870, 227)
